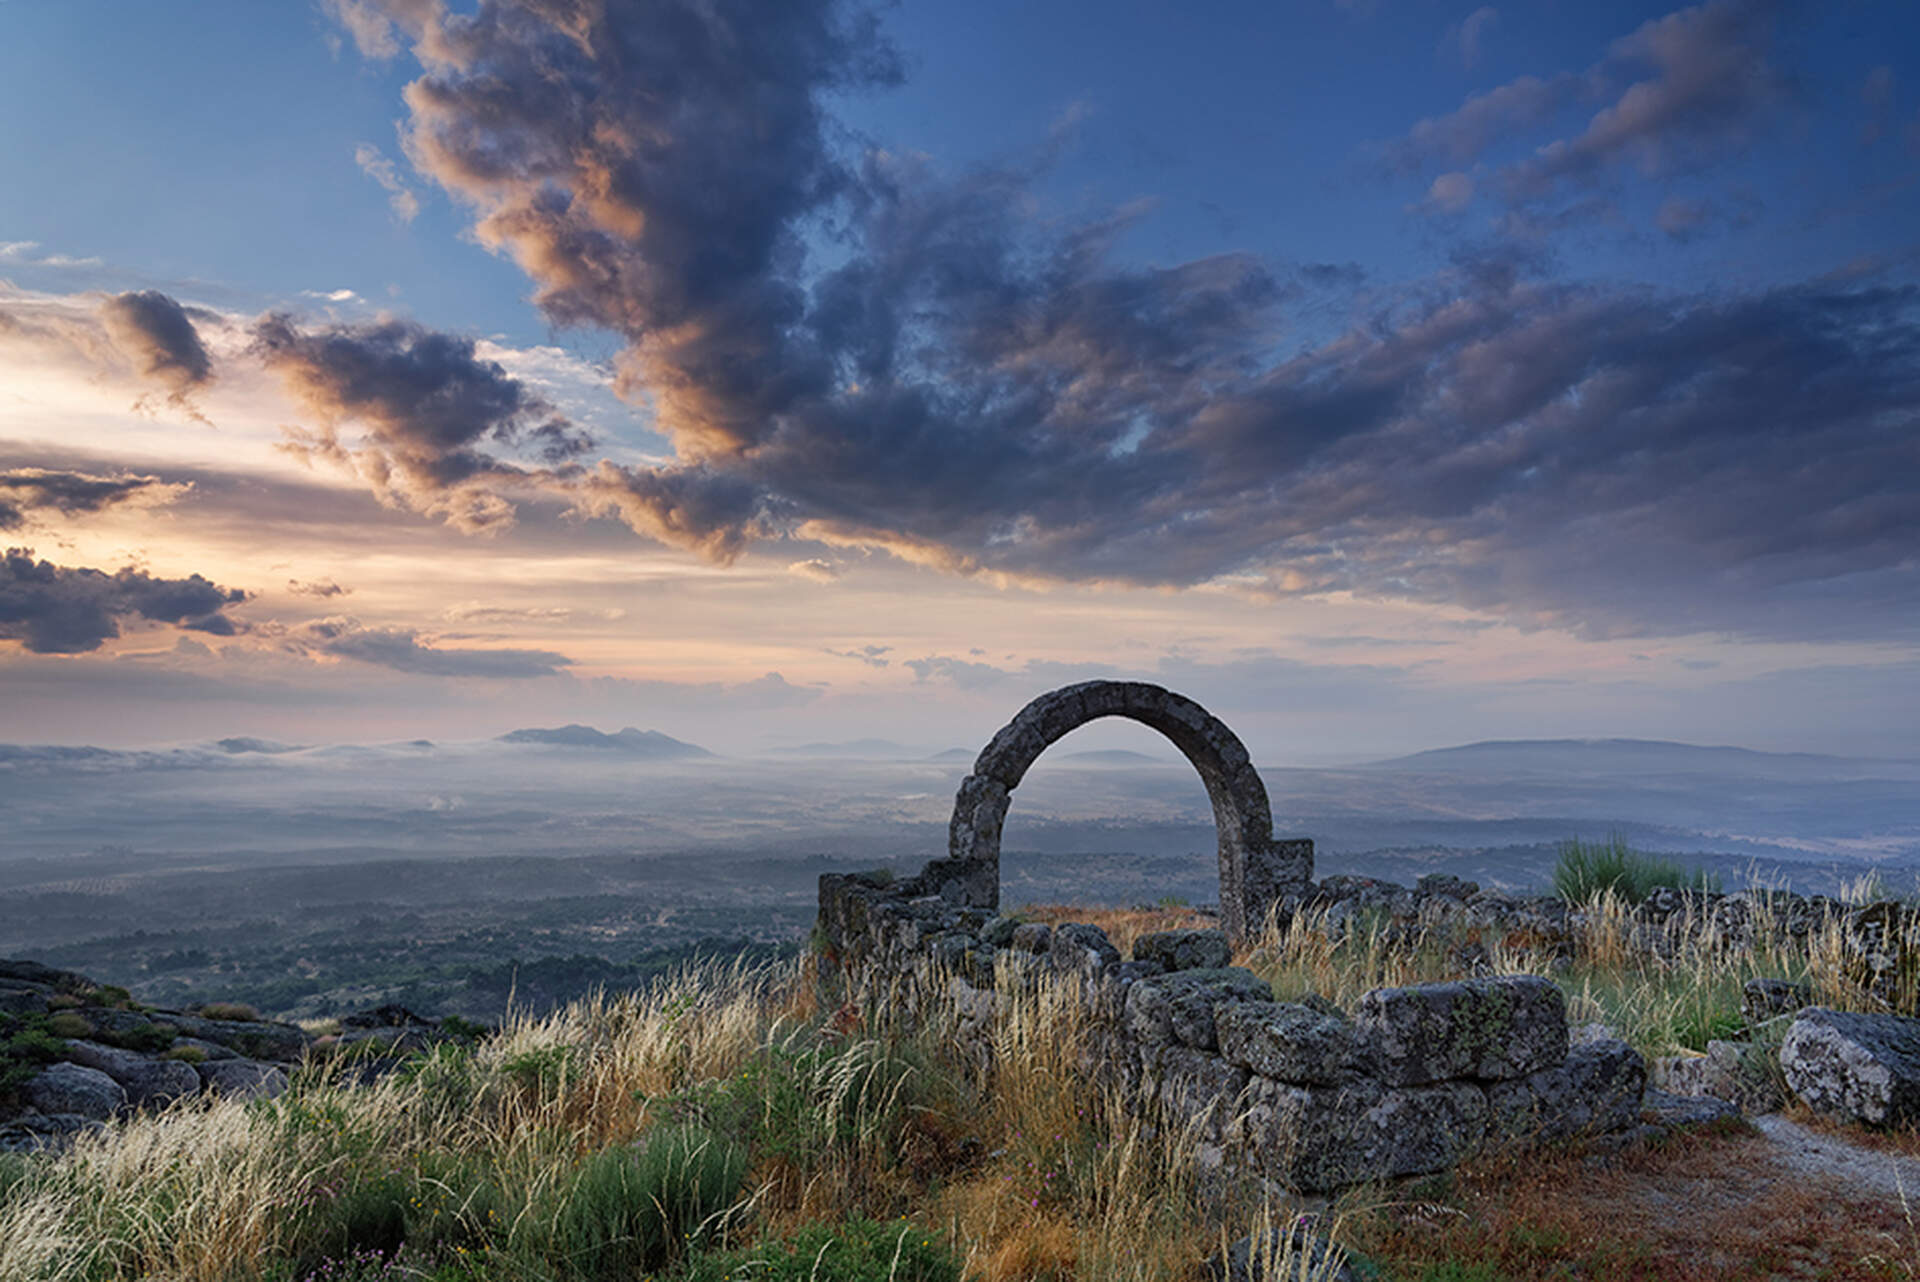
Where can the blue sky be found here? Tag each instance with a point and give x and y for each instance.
(1549, 369)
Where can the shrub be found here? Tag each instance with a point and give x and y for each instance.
(1587, 869)
(856, 1251)
(147, 1038)
(188, 1054)
(68, 1024)
(238, 1011)
(630, 1208)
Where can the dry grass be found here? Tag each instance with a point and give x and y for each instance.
(1707, 1205)
(1020, 1161)
(1661, 1002)
(1125, 925)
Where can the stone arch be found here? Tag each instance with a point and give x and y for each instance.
(1255, 870)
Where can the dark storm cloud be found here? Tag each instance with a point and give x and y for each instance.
(428, 407)
(403, 650)
(155, 333)
(971, 390)
(28, 489)
(55, 609)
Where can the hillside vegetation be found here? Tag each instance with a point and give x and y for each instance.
(751, 1123)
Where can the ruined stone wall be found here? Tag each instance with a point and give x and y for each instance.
(1412, 1081)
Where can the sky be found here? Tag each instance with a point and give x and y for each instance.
(1384, 375)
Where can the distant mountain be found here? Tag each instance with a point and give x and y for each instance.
(877, 749)
(631, 742)
(242, 743)
(955, 754)
(1623, 756)
(1115, 757)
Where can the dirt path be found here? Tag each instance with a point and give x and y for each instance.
(1872, 1173)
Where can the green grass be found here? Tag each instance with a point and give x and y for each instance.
(1587, 869)
(857, 1250)
(633, 1208)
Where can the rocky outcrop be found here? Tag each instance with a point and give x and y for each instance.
(93, 1054)
(1854, 1067)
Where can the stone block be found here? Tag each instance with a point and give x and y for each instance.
(1179, 1007)
(1744, 1074)
(1320, 1138)
(1765, 999)
(1194, 1086)
(1497, 1028)
(1862, 1068)
(1082, 950)
(1032, 937)
(1595, 1091)
(1184, 949)
(1289, 1043)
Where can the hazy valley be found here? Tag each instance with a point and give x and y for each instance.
(313, 879)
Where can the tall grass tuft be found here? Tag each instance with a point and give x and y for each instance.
(1587, 869)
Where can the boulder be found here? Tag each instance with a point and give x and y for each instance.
(1320, 1138)
(1082, 950)
(23, 999)
(1597, 1090)
(1861, 1068)
(1744, 1074)
(1184, 949)
(254, 1039)
(40, 1133)
(1289, 1043)
(1502, 1027)
(1446, 885)
(1765, 999)
(147, 1081)
(242, 1078)
(1179, 1007)
(1031, 937)
(75, 1089)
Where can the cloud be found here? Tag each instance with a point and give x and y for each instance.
(1464, 134)
(403, 650)
(969, 390)
(375, 165)
(1682, 220)
(428, 408)
(1679, 92)
(27, 489)
(1711, 83)
(1450, 193)
(319, 588)
(1464, 39)
(57, 609)
(871, 655)
(25, 252)
(962, 674)
(155, 333)
(816, 569)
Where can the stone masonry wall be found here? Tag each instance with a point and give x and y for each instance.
(1410, 1082)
